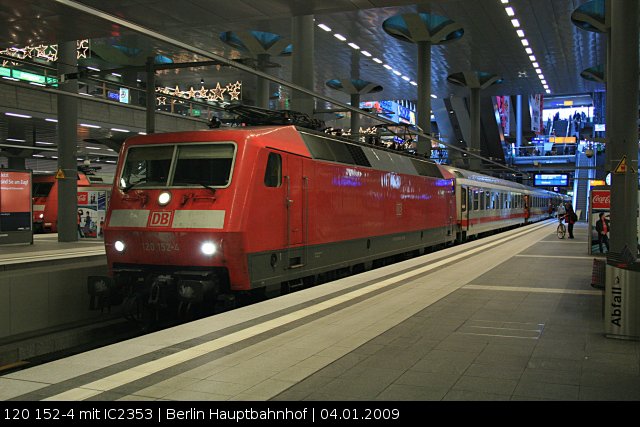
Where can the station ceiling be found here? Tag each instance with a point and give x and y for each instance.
(489, 44)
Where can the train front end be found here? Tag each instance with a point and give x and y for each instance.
(167, 234)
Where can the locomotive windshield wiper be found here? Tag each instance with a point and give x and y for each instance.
(126, 189)
(195, 181)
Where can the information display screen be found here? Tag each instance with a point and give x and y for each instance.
(549, 180)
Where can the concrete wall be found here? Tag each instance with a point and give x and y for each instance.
(46, 295)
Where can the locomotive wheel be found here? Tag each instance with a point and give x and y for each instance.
(137, 310)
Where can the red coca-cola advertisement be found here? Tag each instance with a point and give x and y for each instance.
(601, 199)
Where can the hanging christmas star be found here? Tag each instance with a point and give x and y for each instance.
(202, 93)
(191, 93)
(218, 92)
(177, 91)
(162, 100)
(234, 90)
(83, 48)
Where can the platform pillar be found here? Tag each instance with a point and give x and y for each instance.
(67, 143)
(302, 34)
(151, 96)
(622, 286)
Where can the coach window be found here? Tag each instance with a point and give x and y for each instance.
(487, 199)
(273, 174)
(476, 200)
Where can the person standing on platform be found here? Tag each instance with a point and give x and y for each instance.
(602, 227)
(561, 211)
(571, 218)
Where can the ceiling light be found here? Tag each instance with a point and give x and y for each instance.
(365, 53)
(529, 51)
(541, 76)
(397, 73)
(142, 133)
(535, 65)
(377, 60)
(548, 91)
(93, 148)
(545, 86)
(532, 58)
(509, 11)
(324, 27)
(44, 143)
(10, 78)
(119, 130)
(36, 84)
(93, 68)
(37, 155)
(544, 82)
(340, 37)
(406, 78)
(116, 74)
(538, 70)
(85, 94)
(22, 116)
(520, 33)
(434, 96)
(89, 126)
(110, 161)
(504, 1)
(413, 83)
(524, 42)
(387, 66)
(355, 46)
(15, 140)
(515, 23)
(52, 120)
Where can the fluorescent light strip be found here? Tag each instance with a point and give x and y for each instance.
(406, 78)
(355, 46)
(119, 130)
(434, 96)
(10, 78)
(504, 1)
(44, 143)
(16, 140)
(538, 70)
(93, 69)
(89, 126)
(22, 116)
(324, 27)
(142, 133)
(116, 74)
(37, 155)
(535, 65)
(365, 53)
(515, 23)
(413, 83)
(509, 11)
(397, 73)
(544, 82)
(387, 66)
(94, 148)
(36, 84)
(524, 42)
(377, 60)
(52, 120)
(529, 51)
(340, 37)
(532, 58)
(520, 33)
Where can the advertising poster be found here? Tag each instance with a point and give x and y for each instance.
(536, 106)
(600, 202)
(15, 200)
(92, 209)
(503, 107)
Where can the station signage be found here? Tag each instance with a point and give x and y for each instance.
(550, 180)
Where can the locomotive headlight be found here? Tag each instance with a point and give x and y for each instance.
(208, 248)
(164, 198)
(119, 245)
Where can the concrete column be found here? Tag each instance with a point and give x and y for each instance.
(424, 96)
(302, 34)
(355, 117)
(474, 104)
(518, 120)
(622, 125)
(151, 96)
(67, 144)
(262, 87)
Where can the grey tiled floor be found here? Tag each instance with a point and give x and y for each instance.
(486, 344)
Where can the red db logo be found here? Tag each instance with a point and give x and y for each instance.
(160, 219)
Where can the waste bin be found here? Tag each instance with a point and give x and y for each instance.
(622, 303)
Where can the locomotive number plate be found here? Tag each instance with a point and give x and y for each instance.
(160, 247)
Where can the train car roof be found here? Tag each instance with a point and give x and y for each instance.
(286, 138)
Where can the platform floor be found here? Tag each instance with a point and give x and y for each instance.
(46, 247)
(510, 317)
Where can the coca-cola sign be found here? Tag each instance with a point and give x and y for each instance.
(600, 199)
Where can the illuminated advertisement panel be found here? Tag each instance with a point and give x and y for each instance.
(15, 200)
(560, 180)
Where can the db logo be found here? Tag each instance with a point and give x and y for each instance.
(160, 219)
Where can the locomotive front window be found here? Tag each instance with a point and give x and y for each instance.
(41, 189)
(208, 164)
(147, 166)
(183, 165)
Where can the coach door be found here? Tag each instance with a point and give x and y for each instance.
(294, 199)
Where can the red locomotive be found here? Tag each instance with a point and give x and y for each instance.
(198, 215)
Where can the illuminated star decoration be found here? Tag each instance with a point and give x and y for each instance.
(217, 93)
(162, 100)
(190, 93)
(83, 48)
(234, 90)
(202, 93)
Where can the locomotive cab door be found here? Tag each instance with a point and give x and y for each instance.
(294, 199)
